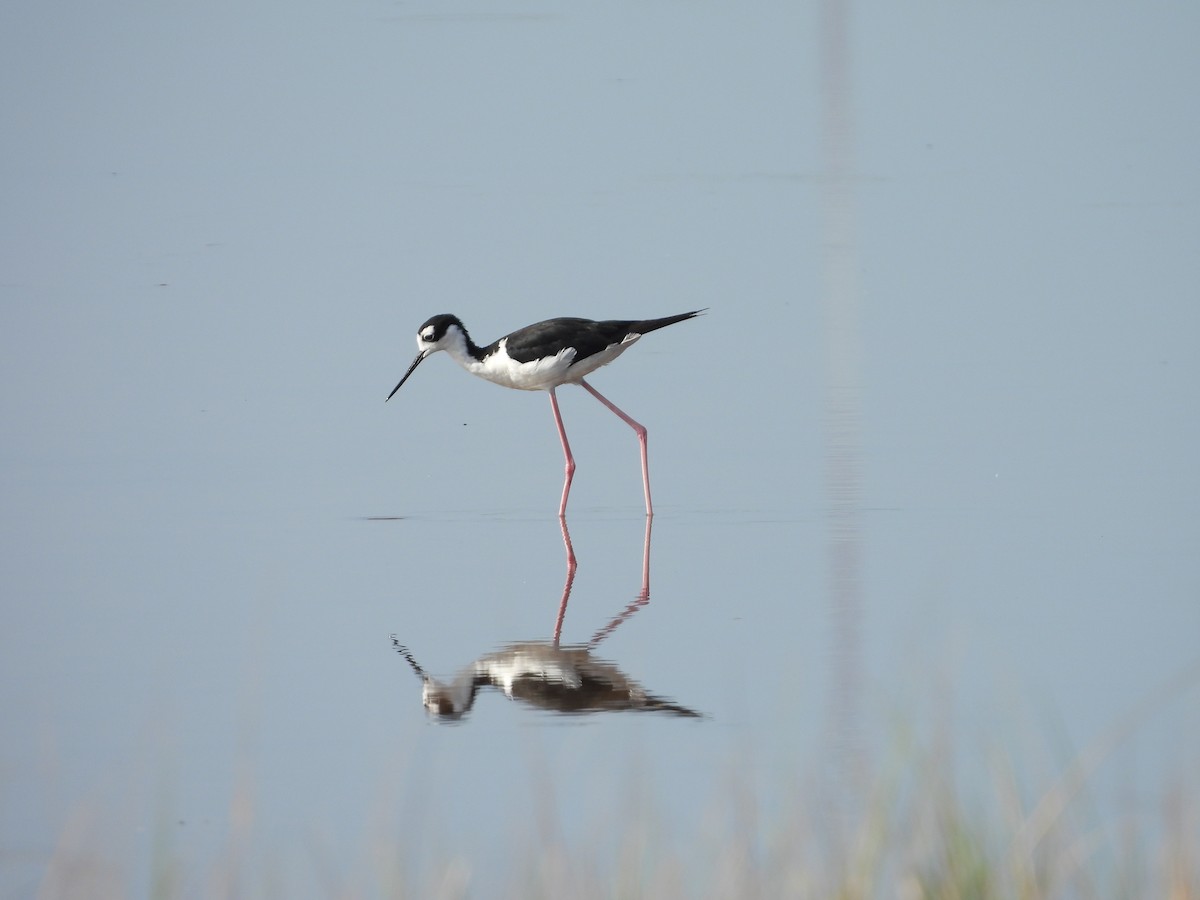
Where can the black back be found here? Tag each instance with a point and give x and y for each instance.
(587, 337)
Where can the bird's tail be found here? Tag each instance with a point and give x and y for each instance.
(647, 325)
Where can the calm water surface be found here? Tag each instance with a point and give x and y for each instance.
(216, 534)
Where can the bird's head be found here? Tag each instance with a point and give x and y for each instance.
(438, 333)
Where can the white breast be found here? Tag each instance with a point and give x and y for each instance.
(546, 373)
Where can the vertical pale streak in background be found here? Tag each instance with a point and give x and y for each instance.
(842, 387)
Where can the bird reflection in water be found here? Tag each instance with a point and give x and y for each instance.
(563, 679)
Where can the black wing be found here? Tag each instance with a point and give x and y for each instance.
(587, 337)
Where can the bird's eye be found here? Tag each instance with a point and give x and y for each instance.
(427, 337)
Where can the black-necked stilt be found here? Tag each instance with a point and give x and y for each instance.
(542, 357)
(551, 678)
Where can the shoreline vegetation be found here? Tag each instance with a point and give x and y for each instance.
(909, 826)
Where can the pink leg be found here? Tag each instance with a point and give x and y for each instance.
(638, 602)
(641, 433)
(562, 436)
(566, 594)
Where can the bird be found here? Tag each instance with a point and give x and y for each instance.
(570, 680)
(543, 357)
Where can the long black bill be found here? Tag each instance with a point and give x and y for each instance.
(404, 651)
(411, 369)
